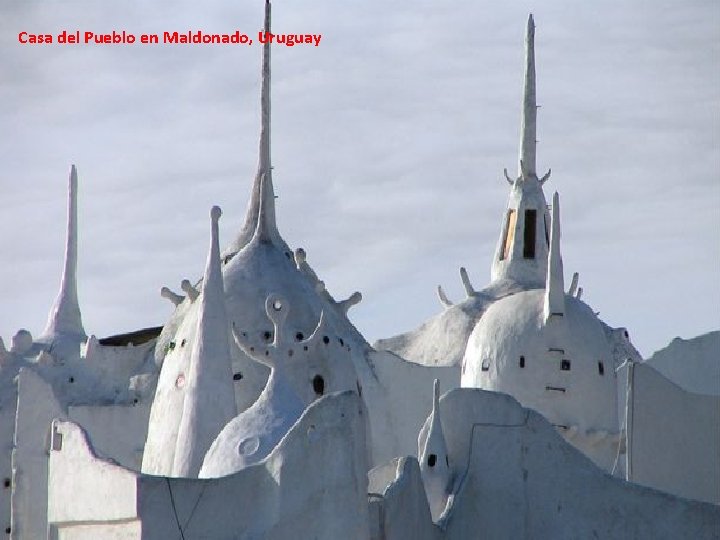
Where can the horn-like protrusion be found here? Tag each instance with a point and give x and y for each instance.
(554, 286)
(574, 284)
(176, 299)
(188, 288)
(579, 293)
(469, 290)
(443, 297)
(545, 177)
(354, 299)
(507, 177)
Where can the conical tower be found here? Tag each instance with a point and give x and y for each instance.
(210, 395)
(65, 318)
(521, 253)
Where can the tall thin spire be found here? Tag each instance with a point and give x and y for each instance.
(64, 317)
(528, 126)
(261, 195)
(210, 394)
(555, 286)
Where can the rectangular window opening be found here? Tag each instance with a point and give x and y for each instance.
(547, 230)
(565, 365)
(601, 368)
(508, 235)
(485, 365)
(529, 234)
(522, 361)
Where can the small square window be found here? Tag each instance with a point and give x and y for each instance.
(485, 365)
(565, 365)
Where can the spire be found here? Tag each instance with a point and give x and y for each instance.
(554, 285)
(264, 164)
(210, 395)
(434, 460)
(64, 317)
(528, 124)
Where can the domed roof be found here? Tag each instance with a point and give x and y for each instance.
(563, 369)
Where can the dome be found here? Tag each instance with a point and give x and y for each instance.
(562, 368)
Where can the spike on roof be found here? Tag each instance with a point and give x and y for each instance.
(209, 401)
(65, 317)
(554, 286)
(528, 127)
(263, 193)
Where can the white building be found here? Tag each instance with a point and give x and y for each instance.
(259, 411)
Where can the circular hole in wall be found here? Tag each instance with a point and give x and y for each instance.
(267, 335)
(180, 381)
(299, 336)
(249, 446)
(326, 340)
(237, 376)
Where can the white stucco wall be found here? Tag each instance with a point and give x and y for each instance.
(675, 436)
(321, 466)
(117, 432)
(517, 478)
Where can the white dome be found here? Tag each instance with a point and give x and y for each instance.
(563, 369)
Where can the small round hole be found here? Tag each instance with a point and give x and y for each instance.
(237, 376)
(326, 340)
(299, 336)
(71, 379)
(267, 335)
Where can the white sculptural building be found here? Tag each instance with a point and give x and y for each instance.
(259, 411)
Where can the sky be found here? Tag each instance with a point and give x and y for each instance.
(389, 142)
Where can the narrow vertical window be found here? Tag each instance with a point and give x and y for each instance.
(485, 365)
(547, 230)
(508, 234)
(601, 368)
(529, 234)
(565, 365)
(522, 361)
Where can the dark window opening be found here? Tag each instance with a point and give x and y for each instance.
(171, 346)
(522, 361)
(237, 376)
(547, 233)
(7, 530)
(299, 336)
(447, 461)
(267, 335)
(326, 340)
(529, 234)
(601, 368)
(318, 385)
(432, 459)
(183, 342)
(485, 365)
(565, 365)
(508, 234)
(6, 483)
(342, 343)
(290, 352)
(627, 336)
(71, 379)
(555, 388)
(359, 388)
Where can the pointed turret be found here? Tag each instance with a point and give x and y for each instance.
(528, 123)
(521, 252)
(434, 460)
(555, 286)
(65, 318)
(210, 395)
(263, 194)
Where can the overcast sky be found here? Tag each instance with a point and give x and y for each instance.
(389, 141)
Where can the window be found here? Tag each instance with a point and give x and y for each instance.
(508, 234)
(565, 365)
(601, 368)
(522, 361)
(547, 229)
(529, 231)
(485, 365)
(432, 459)
(237, 376)
(318, 385)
